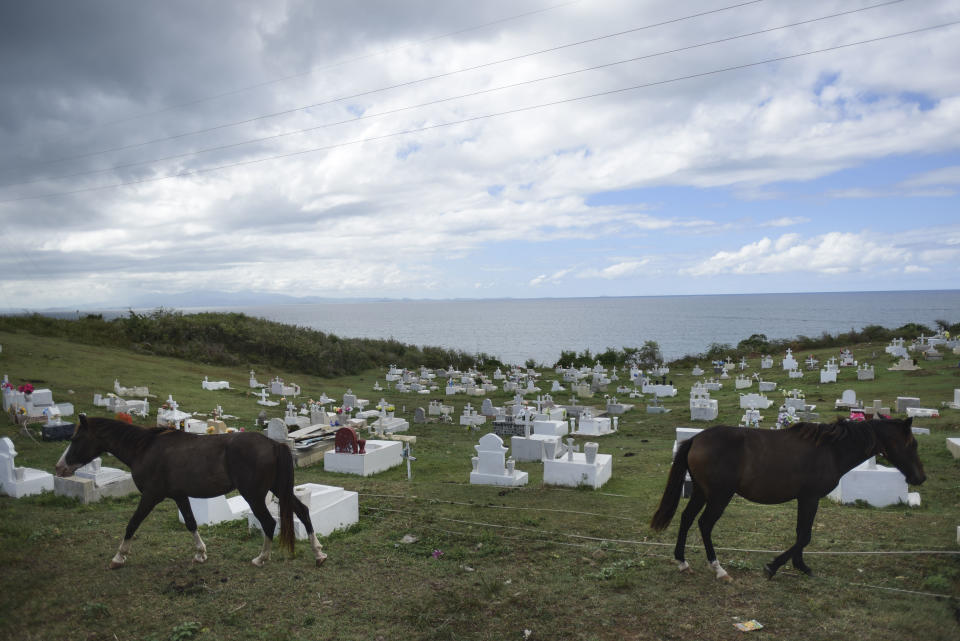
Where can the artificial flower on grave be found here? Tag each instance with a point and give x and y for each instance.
(338, 410)
(124, 416)
(26, 388)
(6, 385)
(391, 408)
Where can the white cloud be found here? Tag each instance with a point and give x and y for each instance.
(831, 253)
(617, 270)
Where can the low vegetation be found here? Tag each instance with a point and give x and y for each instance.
(535, 562)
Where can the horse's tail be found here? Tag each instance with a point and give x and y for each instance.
(285, 486)
(671, 495)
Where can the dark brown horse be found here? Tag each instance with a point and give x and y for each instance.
(167, 463)
(803, 462)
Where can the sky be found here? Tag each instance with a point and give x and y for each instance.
(463, 149)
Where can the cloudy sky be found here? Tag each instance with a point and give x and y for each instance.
(455, 148)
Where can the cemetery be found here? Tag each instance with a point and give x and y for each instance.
(515, 486)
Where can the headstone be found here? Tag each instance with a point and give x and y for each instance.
(20, 481)
(904, 402)
(878, 485)
(419, 416)
(331, 508)
(490, 466)
(277, 431)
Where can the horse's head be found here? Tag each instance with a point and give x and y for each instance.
(84, 447)
(895, 441)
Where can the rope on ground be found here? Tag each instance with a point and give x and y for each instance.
(500, 507)
(659, 544)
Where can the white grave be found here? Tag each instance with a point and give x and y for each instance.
(742, 382)
(955, 403)
(378, 457)
(754, 401)
(20, 481)
(905, 364)
(702, 407)
(953, 446)
(218, 509)
(789, 362)
(848, 400)
(214, 385)
(490, 466)
(766, 362)
(865, 372)
(878, 485)
(577, 469)
(331, 508)
(590, 425)
(828, 376)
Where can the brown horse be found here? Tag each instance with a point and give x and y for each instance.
(803, 462)
(167, 463)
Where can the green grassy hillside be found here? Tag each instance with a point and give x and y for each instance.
(561, 563)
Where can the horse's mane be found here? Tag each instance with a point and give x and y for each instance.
(842, 430)
(126, 435)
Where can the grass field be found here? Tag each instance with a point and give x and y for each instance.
(559, 563)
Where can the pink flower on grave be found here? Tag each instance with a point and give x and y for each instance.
(6, 385)
(437, 554)
(26, 388)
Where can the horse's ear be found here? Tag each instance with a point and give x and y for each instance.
(83, 419)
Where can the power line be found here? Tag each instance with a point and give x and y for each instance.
(334, 65)
(197, 172)
(397, 86)
(447, 99)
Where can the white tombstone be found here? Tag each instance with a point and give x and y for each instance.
(955, 404)
(847, 400)
(754, 401)
(218, 509)
(953, 446)
(587, 469)
(590, 425)
(697, 370)
(905, 364)
(214, 385)
(277, 431)
(795, 373)
(766, 362)
(742, 382)
(378, 456)
(253, 381)
(828, 376)
(751, 418)
(331, 508)
(789, 362)
(20, 481)
(490, 466)
(262, 396)
(702, 407)
(865, 372)
(878, 485)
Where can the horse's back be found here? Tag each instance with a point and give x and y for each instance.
(764, 466)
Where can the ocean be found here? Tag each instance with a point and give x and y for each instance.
(515, 330)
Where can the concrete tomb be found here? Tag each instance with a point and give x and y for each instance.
(789, 362)
(754, 401)
(364, 458)
(865, 372)
(576, 469)
(490, 466)
(589, 425)
(878, 485)
(331, 508)
(93, 482)
(848, 400)
(218, 509)
(905, 364)
(742, 382)
(702, 407)
(20, 481)
(214, 385)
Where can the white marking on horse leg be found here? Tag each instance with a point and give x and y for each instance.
(683, 566)
(201, 555)
(721, 573)
(317, 549)
(264, 552)
(121, 556)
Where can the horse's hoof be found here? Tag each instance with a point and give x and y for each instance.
(684, 568)
(321, 560)
(726, 578)
(200, 559)
(115, 565)
(769, 571)
(257, 562)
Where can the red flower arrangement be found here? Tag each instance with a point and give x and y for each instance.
(124, 416)
(26, 388)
